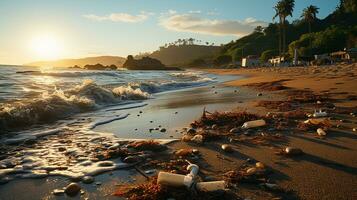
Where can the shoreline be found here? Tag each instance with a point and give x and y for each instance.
(329, 163)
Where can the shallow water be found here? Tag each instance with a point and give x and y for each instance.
(62, 124)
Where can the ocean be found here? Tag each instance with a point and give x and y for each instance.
(31, 96)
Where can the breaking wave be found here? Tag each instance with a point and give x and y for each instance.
(59, 104)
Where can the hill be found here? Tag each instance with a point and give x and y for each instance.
(182, 51)
(337, 30)
(104, 60)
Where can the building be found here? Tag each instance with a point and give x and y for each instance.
(250, 61)
(345, 55)
(277, 61)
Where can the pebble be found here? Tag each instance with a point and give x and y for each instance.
(61, 149)
(191, 131)
(197, 139)
(259, 94)
(87, 179)
(98, 183)
(72, 189)
(162, 130)
(227, 148)
(293, 151)
(354, 129)
(132, 159)
(195, 151)
(214, 126)
(105, 164)
(259, 165)
(150, 171)
(234, 130)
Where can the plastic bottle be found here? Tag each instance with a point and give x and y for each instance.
(211, 186)
(255, 123)
(174, 180)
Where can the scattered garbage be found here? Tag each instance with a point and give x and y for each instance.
(321, 132)
(197, 139)
(319, 113)
(253, 124)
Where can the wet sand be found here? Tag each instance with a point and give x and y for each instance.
(327, 170)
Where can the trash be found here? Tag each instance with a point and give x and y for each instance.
(58, 192)
(253, 124)
(321, 132)
(174, 180)
(293, 151)
(197, 139)
(227, 148)
(319, 113)
(72, 189)
(251, 171)
(211, 186)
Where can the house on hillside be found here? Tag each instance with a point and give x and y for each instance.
(349, 55)
(278, 61)
(250, 61)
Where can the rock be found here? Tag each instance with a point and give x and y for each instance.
(61, 149)
(191, 131)
(186, 138)
(293, 151)
(259, 94)
(195, 151)
(270, 186)
(214, 126)
(150, 171)
(227, 148)
(58, 192)
(197, 139)
(162, 130)
(105, 163)
(72, 189)
(234, 130)
(132, 159)
(321, 132)
(259, 165)
(87, 179)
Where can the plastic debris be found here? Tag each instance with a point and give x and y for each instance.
(321, 132)
(253, 124)
(319, 113)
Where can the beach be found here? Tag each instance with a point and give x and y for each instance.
(326, 170)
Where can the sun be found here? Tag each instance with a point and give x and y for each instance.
(46, 47)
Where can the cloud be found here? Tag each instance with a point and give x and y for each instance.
(120, 17)
(197, 24)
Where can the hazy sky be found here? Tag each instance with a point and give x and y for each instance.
(47, 29)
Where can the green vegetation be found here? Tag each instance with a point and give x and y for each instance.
(309, 35)
(145, 63)
(183, 52)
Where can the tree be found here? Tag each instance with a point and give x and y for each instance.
(283, 9)
(309, 15)
(259, 29)
(268, 54)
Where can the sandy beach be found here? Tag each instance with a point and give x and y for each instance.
(326, 170)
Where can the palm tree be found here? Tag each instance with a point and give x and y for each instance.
(309, 15)
(283, 9)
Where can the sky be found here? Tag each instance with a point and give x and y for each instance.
(32, 30)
